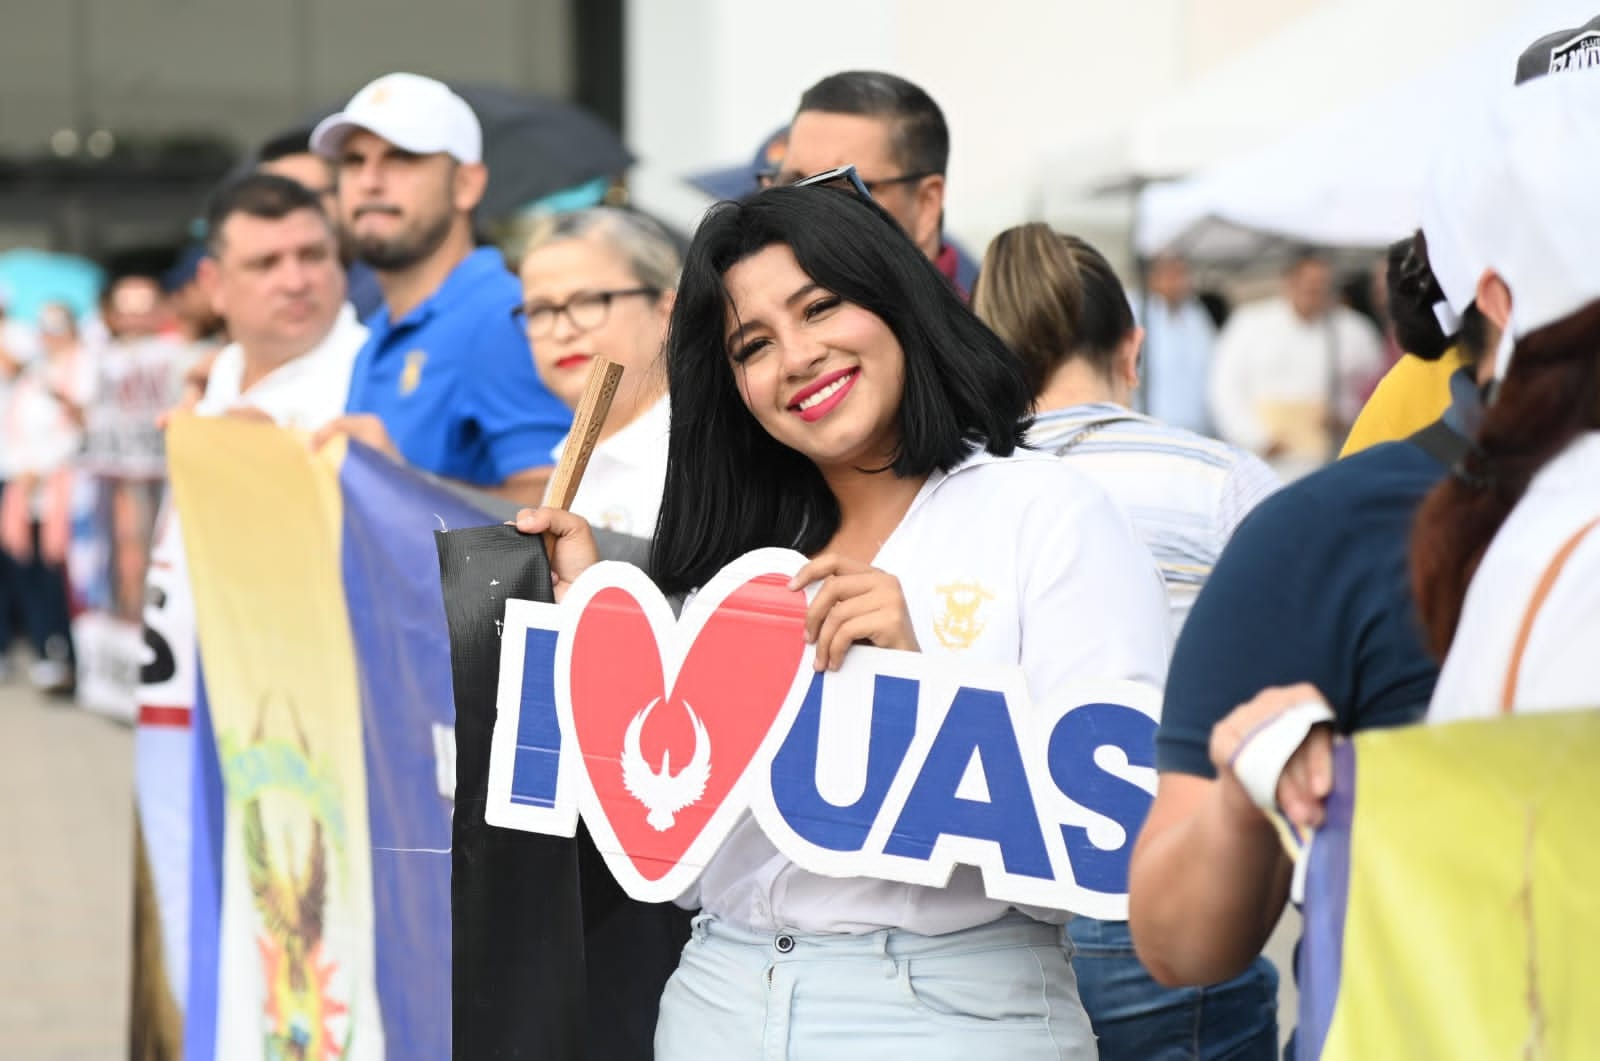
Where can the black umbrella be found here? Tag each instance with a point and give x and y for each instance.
(534, 145)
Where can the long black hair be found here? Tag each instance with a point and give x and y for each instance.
(730, 486)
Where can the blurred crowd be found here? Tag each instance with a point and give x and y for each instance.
(82, 401)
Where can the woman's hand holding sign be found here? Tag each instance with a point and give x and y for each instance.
(568, 539)
(857, 603)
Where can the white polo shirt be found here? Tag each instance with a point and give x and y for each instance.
(621, 489)
(1065, 590)
(304, 393)
(1558, 670)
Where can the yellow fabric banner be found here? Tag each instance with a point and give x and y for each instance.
(261, 519)
(1471, 925)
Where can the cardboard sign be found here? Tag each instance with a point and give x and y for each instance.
(664, 733)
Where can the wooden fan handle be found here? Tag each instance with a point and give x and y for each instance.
(590, 417)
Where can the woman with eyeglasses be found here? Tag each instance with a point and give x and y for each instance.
(832, 395)
(599, 283)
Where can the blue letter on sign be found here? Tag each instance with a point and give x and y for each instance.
(1072, 767)
(533, 777)
(977, 726)
(794, 768)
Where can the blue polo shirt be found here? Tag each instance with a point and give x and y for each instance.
(453, 381)
(1314, 587)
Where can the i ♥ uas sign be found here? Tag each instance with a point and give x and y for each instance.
(663, 733)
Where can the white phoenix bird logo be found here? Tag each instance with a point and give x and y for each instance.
(664, 793)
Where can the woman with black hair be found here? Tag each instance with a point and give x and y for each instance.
(1422, 385)
(831, 394)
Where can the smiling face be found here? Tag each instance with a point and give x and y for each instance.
(632, 326)
(821, 375)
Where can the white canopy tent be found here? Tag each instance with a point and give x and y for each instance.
(1353, 179)
(1339, 52)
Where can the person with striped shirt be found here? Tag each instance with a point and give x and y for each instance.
(1055, 300)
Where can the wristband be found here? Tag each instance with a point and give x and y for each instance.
(1259, 760)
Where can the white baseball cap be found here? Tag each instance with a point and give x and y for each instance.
(412, 112)
(1516, 193)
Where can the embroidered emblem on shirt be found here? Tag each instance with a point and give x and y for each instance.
(411, 375)
(960, 625)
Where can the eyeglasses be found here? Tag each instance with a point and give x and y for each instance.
(843, 177)
(586, 310)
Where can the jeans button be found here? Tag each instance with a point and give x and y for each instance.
(784, 944)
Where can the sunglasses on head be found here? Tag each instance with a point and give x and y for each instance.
(845, 179)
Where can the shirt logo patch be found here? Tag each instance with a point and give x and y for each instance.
(411, 375)
(960, 625)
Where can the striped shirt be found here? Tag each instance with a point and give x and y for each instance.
(1185, 493)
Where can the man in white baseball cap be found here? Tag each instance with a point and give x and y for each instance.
(446, 381)
(414, 113)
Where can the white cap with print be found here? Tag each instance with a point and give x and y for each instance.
(412, 112)
(1517, 194)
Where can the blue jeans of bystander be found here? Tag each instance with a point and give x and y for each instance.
(1137, 1019)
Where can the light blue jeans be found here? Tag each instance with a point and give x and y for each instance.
(1003, 990)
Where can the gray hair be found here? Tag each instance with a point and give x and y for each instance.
(648, 248)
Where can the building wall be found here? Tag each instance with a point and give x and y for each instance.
(245, 68)
(707, 79)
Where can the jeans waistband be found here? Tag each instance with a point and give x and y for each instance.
(1012, 930)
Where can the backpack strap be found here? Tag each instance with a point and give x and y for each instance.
(1547, 581)
(1443, 443)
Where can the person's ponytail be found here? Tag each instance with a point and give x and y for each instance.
(1052, 297)
(1030, 294)
(1550, 396)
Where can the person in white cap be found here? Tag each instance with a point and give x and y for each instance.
(446, 380)
(1506, 555)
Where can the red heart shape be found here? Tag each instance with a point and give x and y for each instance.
(735, 677)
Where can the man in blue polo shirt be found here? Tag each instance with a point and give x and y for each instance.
(446, 382)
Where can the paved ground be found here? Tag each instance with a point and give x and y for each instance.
(1280, 948)
(66, 806)
(65, 824)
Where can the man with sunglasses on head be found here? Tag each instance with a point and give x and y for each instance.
(895, 136)
(446, 381)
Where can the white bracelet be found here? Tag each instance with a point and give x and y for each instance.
(1259, 760)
